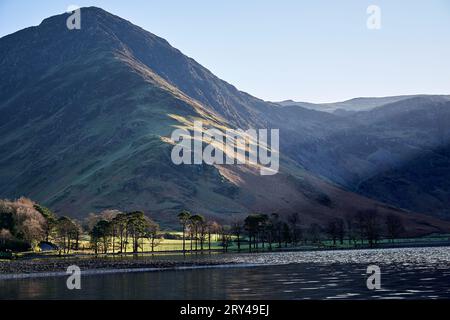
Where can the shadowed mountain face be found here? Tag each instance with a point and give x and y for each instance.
(396, 153)
(416, 176)
(85, 116)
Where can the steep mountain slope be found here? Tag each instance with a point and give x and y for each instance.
(86, 116)
(86, 132)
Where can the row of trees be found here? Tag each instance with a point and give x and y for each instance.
(24, 223)
(201, 231)
(113, 231)
(262, 229)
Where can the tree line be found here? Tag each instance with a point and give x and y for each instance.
(113, 231)
(262, 230)
(24, 224)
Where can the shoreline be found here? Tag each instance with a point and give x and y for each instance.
(91, 272)
(18, 269)
(56, 266)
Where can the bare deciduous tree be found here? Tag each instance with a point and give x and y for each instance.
(394, 226)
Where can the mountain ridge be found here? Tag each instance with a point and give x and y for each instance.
(86, 115)
(357, 104)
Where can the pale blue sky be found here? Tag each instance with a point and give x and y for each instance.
(315, 51)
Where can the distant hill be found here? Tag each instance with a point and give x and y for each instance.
(355, 104)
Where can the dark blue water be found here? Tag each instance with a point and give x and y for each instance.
(413, 273)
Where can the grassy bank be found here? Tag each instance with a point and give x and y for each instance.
(175, 247)
(170, 256)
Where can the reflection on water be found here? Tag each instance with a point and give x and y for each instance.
(422, 273)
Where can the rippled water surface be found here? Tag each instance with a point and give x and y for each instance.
(410, 273)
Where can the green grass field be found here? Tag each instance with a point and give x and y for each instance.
(163, 244)
(176, 245)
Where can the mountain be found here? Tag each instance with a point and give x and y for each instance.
(396, 153)
(86, 120)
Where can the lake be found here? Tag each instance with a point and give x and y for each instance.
(409, 273)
